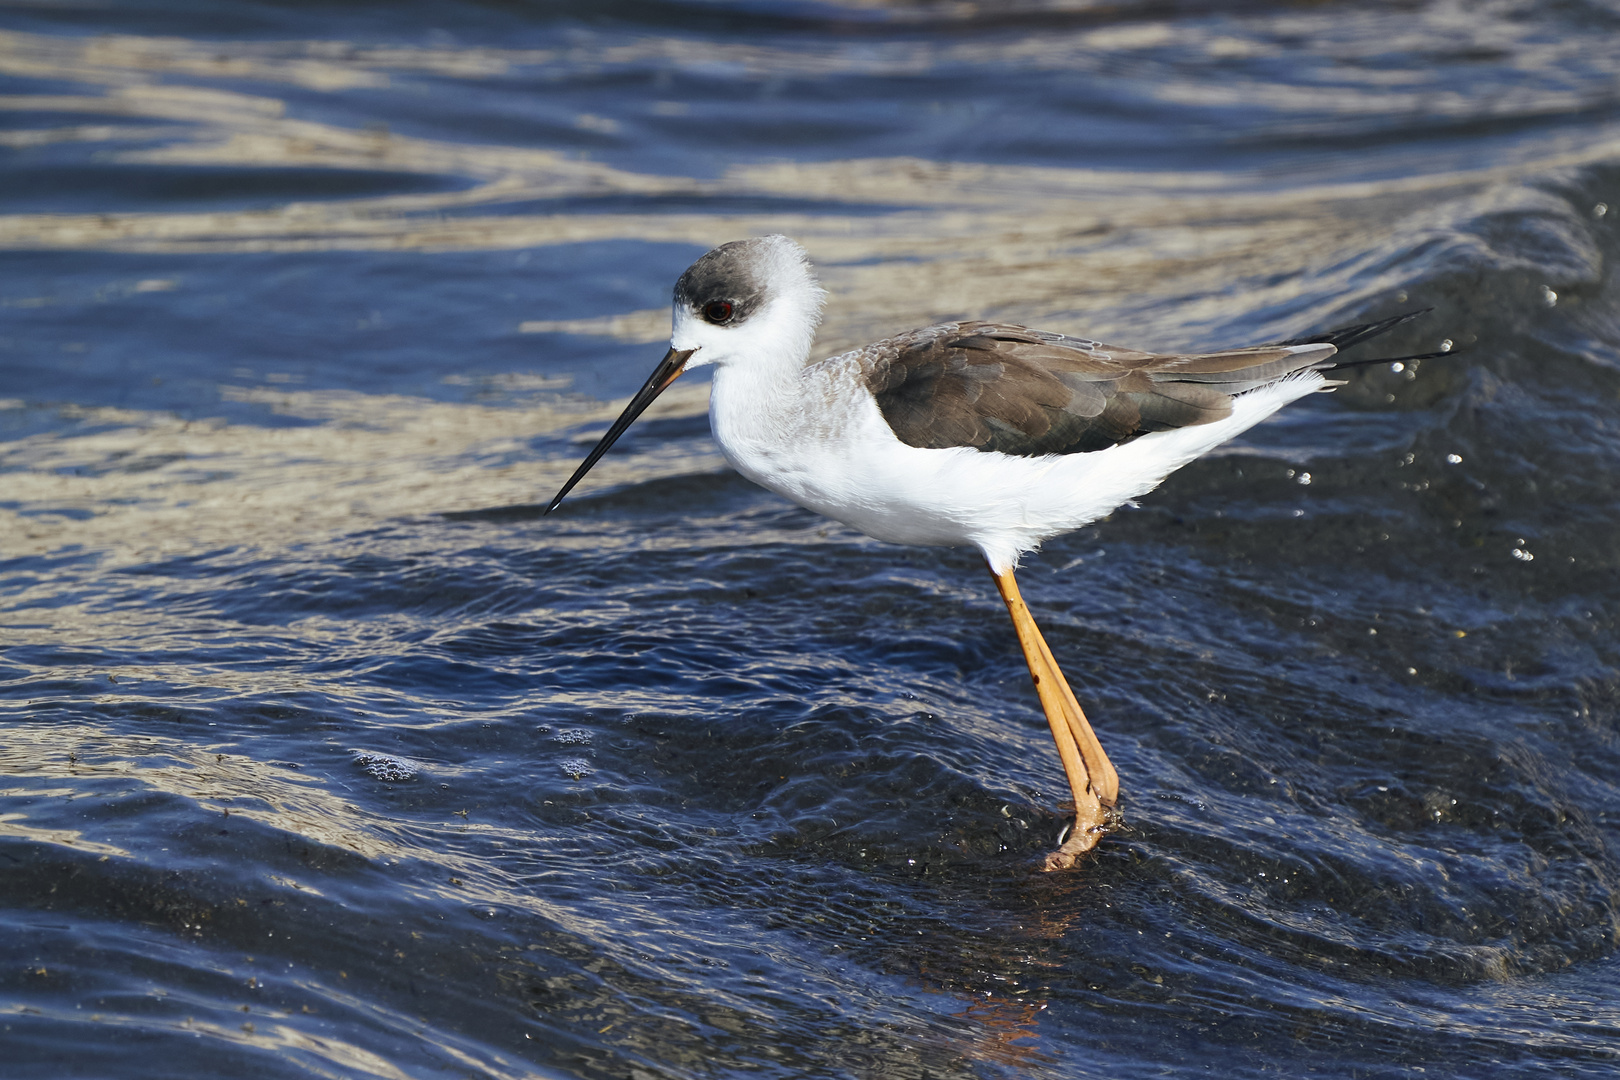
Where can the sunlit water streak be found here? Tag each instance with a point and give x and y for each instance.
(304, 314)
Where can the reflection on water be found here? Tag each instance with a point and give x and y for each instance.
(302, 314)
(131, 485)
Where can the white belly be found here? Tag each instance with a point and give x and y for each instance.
(821, 441)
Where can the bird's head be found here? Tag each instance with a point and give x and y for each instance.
(747, 302)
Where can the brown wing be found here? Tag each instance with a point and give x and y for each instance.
(1019, 391)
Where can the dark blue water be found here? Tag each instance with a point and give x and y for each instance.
(324, 754)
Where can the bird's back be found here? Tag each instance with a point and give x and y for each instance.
(1008, 389)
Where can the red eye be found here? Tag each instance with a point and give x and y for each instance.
(718, 311)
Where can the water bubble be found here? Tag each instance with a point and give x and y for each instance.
(575, 769)
(1397, 366)
(1453, 459)
(1600, 209)
(1303, 478)
(573, 736)
(1445, 346)
(1522, 555)
(387, 766)
(1549, 296)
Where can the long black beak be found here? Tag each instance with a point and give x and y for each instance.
(668, 370)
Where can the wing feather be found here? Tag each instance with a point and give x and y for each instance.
(1014, 390)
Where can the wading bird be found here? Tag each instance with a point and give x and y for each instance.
(966, 433)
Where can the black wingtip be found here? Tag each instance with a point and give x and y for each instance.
(1440, 354)
(1346, 336)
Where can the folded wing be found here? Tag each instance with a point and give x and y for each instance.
(1013, 390)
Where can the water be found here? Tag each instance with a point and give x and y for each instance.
(325, 755)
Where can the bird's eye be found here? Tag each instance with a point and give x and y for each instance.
(718, 311)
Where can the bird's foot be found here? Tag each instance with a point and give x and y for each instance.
(1092, 822)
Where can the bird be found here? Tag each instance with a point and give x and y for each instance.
(973, 433)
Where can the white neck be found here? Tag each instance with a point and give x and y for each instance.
(757, 399)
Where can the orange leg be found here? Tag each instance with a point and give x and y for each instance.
(1092, 778)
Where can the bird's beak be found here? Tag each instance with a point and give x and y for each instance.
(668, 370)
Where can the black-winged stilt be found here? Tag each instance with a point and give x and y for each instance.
(968, 433)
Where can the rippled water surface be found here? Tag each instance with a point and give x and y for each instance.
(324, 754)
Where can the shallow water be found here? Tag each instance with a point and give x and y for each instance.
(325, 754)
